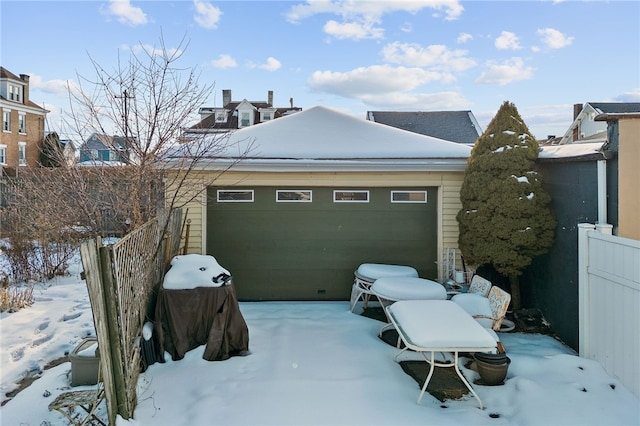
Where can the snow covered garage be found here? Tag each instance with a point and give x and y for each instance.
(305, 199)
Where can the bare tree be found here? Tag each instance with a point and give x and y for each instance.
(146, 100)
(149, 100)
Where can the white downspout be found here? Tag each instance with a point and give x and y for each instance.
(602, 192)
(602, 225)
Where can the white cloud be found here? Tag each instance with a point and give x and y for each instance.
(506, 72)
(56, 87)
(407, 27)
(272, 64)
(152, 50)
(372, 9)
(353, 30)
(224, 61)
(360, 19)
(630, 96)
(126, 13)
(417, 101)
(507, 41)
(464, 37)
(437, 56)
(554, 39)
(207, 15)
(386, 86)
(373, 80)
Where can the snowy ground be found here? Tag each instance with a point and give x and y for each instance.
(310, 364)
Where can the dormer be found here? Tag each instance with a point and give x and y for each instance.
(267, 114)
(14, 88)
(246, 114)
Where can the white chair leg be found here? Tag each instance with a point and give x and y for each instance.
(356, 293)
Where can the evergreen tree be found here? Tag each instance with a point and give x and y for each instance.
(51, 154)
(505, 220)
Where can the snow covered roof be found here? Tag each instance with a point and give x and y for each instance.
(573, 151)
(323, 137)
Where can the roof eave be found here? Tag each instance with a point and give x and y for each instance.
(616, 116)
(305, 165)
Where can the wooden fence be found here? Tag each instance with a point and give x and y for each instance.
(122, 280)
(609, 307)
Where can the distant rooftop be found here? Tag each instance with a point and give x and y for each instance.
(454, 126)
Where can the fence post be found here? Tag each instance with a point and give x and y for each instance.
(92, 270)
(583, 289)
(115, 341)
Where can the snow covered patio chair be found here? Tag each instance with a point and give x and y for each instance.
(488, 311)
(480, 285)
(368, 273)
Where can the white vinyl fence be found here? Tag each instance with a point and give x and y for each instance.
(609, 302)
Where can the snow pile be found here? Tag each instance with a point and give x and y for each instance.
(195, 270)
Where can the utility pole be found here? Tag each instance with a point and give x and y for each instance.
(125, 117)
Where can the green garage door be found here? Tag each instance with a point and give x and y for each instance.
(305, 243)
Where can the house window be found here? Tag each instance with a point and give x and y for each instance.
(293, 196)
(350, 196)
(22, 153)
(3, 155)
(235, 195)
(15, 93)
(408, 196)
(22, 123)
(6, 121)
(221, 117)
(244, 119)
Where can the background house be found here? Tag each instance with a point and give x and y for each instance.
(69, 151)
(318, 193)
(23, 124)
(105, 148)
(237, 115)
(454, 126)
(585, 127)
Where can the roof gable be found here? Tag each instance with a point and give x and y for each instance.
(5, 73)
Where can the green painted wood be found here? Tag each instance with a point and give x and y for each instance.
(309, 251)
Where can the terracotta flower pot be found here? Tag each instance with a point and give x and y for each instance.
(492, 368)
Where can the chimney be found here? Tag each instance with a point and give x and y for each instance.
(270, 97)
(226, 97)
(25, 90)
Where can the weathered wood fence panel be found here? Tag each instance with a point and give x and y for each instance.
(89, 252)
(609, 309)
(122, 280)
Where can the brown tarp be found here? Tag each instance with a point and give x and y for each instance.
(186, 319)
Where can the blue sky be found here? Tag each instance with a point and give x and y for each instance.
(354, 56)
